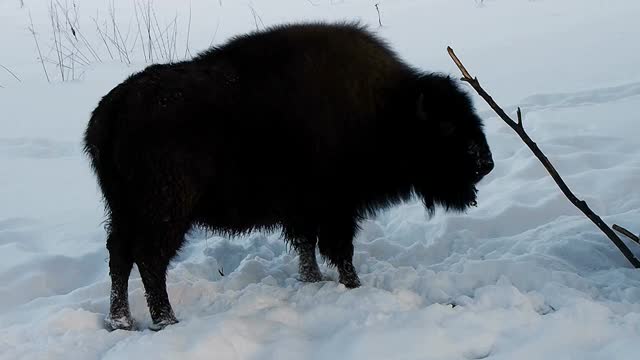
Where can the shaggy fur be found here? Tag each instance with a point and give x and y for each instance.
(308, 128)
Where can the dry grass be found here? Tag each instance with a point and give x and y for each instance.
(143, 37)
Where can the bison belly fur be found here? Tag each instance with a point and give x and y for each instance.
(308, 128)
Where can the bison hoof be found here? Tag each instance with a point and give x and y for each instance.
(119, 323)
(157, 326)
(351, 283)
(348, 275)
(311, 277)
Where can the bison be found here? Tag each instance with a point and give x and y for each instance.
(307, 128)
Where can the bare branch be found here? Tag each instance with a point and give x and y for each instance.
(379, 17)
(215, 33)
(32, 30)
(148, 24)
(10, 72)
(102, 36)
(580, 204)
(159, 36)
(519, 117)
(465, 73)
(135, 10)
(187, 51)
(626, 233)
(256, 17)
(55, 27)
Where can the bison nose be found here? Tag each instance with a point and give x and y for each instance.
(485, 166)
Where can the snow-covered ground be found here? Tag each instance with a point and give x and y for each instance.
(523, 276)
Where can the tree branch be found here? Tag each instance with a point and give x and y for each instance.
(379, 17)
(519, 129)
(626, 233)
(10, 72)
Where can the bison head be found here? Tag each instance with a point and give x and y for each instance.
(454, 144)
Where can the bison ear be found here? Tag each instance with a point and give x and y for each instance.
(445, 126)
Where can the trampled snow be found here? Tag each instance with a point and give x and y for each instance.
(524, 275)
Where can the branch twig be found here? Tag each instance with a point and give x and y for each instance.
(32, 30)
(626, 233)
(11, 72)
(187, 51)
(379, 17)
(519, 129)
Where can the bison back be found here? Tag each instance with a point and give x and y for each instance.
(265, 127)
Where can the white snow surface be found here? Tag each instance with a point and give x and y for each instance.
(523, 276)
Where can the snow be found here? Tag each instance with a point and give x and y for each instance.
(524, 275)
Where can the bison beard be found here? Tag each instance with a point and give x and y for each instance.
(308, 128)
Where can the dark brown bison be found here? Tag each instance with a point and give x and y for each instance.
(308, 128)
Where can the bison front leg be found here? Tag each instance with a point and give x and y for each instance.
(335, 241)
(303, 237)
(308, 265)
(347, 272)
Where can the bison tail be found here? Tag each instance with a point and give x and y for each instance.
(99, 139)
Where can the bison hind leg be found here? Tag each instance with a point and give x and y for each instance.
(335, 241)
(160, 244)
(164, 206)
(120, 264)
